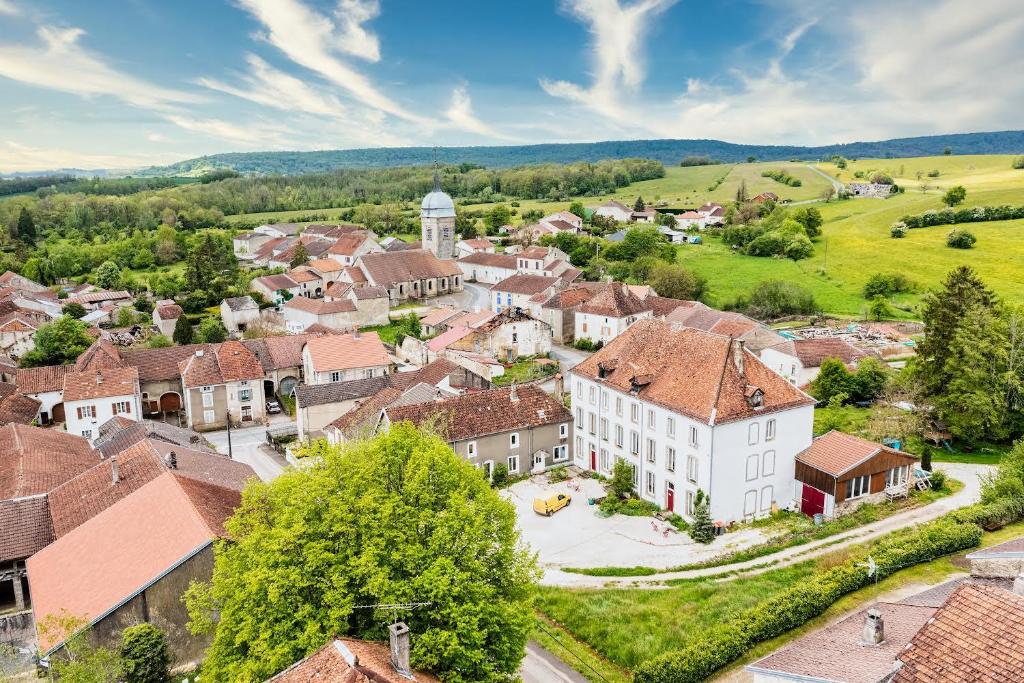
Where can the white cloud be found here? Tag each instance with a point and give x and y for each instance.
(617, 32)
(354, 39)
(309, 39)
(8, 8)
(460, 113)
(255, 135)
(15, 156)
(59, 62)
(156, 137)
(274, 88)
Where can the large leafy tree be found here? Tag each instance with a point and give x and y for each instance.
(395, 519)
(59, 342)
(26, 227)
(210, 264)
(108, 275)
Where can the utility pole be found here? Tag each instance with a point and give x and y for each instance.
(230, 454)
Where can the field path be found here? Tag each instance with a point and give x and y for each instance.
(835, 183)
(970, 475)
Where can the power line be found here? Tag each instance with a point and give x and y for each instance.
(566, 648)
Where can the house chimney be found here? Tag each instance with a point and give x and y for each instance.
(115, 471)
(559, 386)
(172, 460)
(400, 648)
(512, 396)
(737, 354)
(1018, 583)
(874, 628)
(355, 333)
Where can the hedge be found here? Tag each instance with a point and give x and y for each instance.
(979, 214)
(797, 605)
(991, 516)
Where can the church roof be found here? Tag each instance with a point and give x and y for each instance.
(437, 204)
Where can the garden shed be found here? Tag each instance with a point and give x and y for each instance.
(839, 471)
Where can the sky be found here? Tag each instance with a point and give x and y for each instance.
(130, 83)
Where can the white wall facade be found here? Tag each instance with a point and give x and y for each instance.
(491, 275)
(615, 213)
(672, 452)
(788, 366)
(502, 300)
(339, 375)
(96, 411)
(603, 328)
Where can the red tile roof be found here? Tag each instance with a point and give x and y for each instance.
(15, 407)
(978, 635)
(485, 412)
(34, 460)
(319, 306)
(237, 362)
(101, 383)
(811, 352)
(157, 365)
(102, 354)
(125, 548)
(348, 245)
(836, 453)
(524, 284)
(615, 301)
(170, 312)
(569, 298)
(691, 372)
(276, 282)
(286, 351)
(25, 527)
(324, 265)
(347, 351)
(348, 661)
(301, 276)
(42, 379)
(390, 268)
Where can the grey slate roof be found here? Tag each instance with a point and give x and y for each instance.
(241, 303)
(116, 436)
(336, 392)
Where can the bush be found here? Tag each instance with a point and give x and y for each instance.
(794, 607)
(960, 239)
(781, 176)
(622, 479)
(584, 344)
(1018, 162)
(702, 530)
(500, 475)
(934, 173)
(898, 230)
(887, 284)
(776, 298)
(938, 480)
(144, 656)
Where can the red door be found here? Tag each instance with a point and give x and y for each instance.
(812, 501)
(670, 498)
(593, 459)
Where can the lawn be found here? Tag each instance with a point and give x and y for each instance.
(526, 369)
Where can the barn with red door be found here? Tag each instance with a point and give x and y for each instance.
(840, 471)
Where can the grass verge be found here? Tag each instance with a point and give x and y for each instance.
(576, 654)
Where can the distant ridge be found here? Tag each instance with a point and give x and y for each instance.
(669, 152)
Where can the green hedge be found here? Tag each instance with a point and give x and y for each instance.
(797, 605)
(991, 516)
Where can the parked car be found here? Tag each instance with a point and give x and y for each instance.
(552, 504)
(273, 407)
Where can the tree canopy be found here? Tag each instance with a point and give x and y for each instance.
(395, 519)
(58, 342)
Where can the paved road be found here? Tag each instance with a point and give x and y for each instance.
(567, 356)
(835, 183)
(970, 475)
(248, 445)
(541, 666)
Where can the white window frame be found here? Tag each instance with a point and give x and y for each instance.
(651, 419)
(604, 429)
(897, 476)
(753, 462)
(579, 448)
(670, 426)
(471, 449)
(634, 413)
(753, 433)
(620, 438)
(670, 459)
(688, 507)
(593, 424)
(693, 435)
(579, 419)
(560, 453)
(245, 394)
(563, 430)
(651, 482)
(767, 492)
(604, 461)
(206, 390)
(593, 396)
(513, 463)
(209, 416)
(513, 440)
(769, 430)
(692, 468)
(207, 400)
(87, 433)
(634, 442)
(335, 376)
(652, 455)
(618, 406)
(768, 464)
(858, 487)
(579, 389)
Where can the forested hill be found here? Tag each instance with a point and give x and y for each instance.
(669, 152)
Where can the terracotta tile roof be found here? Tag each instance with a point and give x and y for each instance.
(355, 275)
(561, 225)
(616, 301)
(612, 204)
(348, 245)
(319, 306)
(237, 362)
(101, 383)
(483, 258)
(267, 249)
(811, 352)
(439, 315)
(170, 311)
(364, 415)
(369, 292)
(338, 289)
(471, 320)
(836, 453)
(125, 548)
(82, 498)
(25, 527)
(485, 412)
(390, 268)
(524, 284)
(241, 303)
(17, 322)
(158, 365)
(101, 295)
(478, 243)
(301, 276)
(453, 334)
(286, 228)
(937, 596)
(690, 372)
(347, 351)
(534, 253)
(15, 407)
(431, 373)
(348, 661)
(337, 392)
(285, 351)
(733, 328)
(978, 635)
(102, 354)
(34, 460)
(662, 306)
(324, 265)
(276, 282)
(708, 207)
(118, 434)
(568, 298)
(835, 653)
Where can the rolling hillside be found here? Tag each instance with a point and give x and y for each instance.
(670, 152)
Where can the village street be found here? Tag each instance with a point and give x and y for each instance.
(249, 445)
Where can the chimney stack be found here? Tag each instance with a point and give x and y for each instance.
(559, 386)
(400, 648)
(874, 628)
(115, 471)
(172, 460)
(512, 395)
(1018, 584)
(737, 354)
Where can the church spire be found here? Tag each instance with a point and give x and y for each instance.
(437, 176)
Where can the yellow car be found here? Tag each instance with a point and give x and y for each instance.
(552, 504)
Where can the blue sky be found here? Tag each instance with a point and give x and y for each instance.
(123, 83)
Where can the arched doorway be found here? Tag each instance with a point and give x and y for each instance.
(170, 402)
(58, 412)
(288, 385)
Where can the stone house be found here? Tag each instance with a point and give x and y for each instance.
(838, 472)
(373, 304)
(340, 357)
(246, 244)
(301, 313)
(165, 316)
(309, 283)
(521, 427)
(678, 405)
(276, 288)
(279, 229)
(281, 358)
(349, 248)
(17, 333)
(221, 383)
(238, 312)
(506, 336)
(516, 291)
(46, 385)
(92, 397)
(411, 274)
(609, 313)
(476, 245)
(487, 267)
(559, 311)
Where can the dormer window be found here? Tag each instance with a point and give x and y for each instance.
(755, 397)
(638, 382)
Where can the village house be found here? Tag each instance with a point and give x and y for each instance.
(279, 230)
(536, 260)
(340, 357)
(281, 358)
(336, 232)
(411, 274)
(276, 288)
(118, 434)
(476, 245)
(246, 244)
(799, 360)
(271, 248)
(488, 268)
(559, 311)
(615, 210)
(46, 385)
(838, 472)
(43, 306)
(309, 283)
(327, 269)
(516, 291)
(349, 248)
(521, 427)
(506, 336)
(373, 305)
(300, 313)
(165, 316)
(765, 197)
(712, 213)
(346, 660)
(609, 313)
(92, 397)
(567, 217)
(756, 336)
(689, 219)
(15, 407)
(222, 383)
(13, 280)
(100, 299)
(647, 215)
(17, 333)
(238, 312)
(315, 248)
(127, 565)
(434, 322)
(678, 405)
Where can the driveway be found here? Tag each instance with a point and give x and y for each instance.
(249, 445)
(577, 537)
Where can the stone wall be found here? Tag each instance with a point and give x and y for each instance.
(997, 567)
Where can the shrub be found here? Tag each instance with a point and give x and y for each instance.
(622, 479)
(898, 230)
(776, 298)
(781, 176)
(799, 248)
(938, 480)
(1018, 162)
(702, 530)
(960, 239)
(144, 656)
(934, 173)
(887, 284)
(584, 344)
(880, 178)
(499, 477)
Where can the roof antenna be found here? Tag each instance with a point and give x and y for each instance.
(437, 177)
